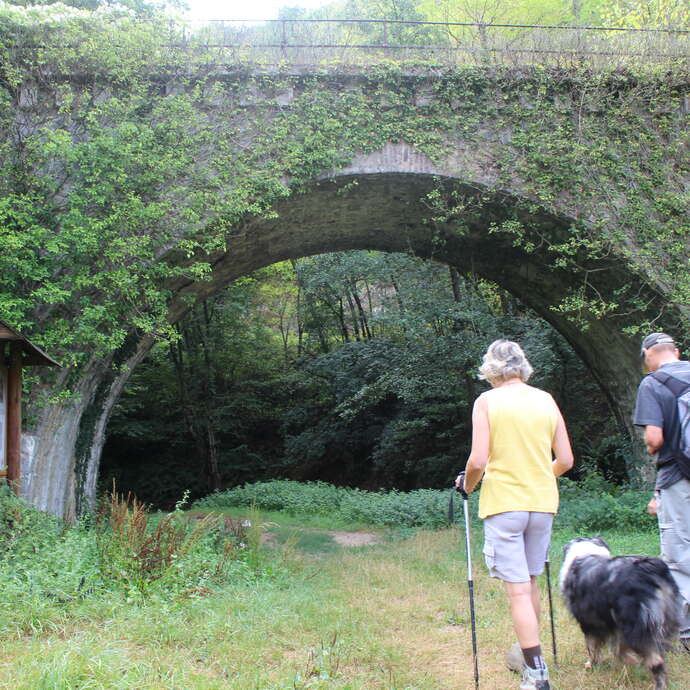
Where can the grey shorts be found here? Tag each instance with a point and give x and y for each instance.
(516, 544)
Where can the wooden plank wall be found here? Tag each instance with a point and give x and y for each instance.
(3, 417)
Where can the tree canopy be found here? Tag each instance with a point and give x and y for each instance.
(358, 367)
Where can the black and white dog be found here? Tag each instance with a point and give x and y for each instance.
(630, 602)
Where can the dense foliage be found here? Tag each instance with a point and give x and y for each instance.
(358, 368)
(47, 565)
(588, 506)
(420, 508)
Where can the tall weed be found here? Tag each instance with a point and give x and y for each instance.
(172, 552)
(129, 548)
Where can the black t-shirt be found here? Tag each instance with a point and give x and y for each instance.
(657, 405)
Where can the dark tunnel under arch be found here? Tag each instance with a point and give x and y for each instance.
(389, 212)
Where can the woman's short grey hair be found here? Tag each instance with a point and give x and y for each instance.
(504, 360)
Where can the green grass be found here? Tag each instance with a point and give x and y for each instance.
(301, 612)
(620, 542)
(392, 616)
(283, 519)
(312, 542)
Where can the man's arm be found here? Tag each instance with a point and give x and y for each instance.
(653, 438)
(648, 414)
(652, 506)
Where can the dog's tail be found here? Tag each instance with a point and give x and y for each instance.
(657, 621)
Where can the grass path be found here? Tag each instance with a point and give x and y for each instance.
(391, 616)
(414, 599)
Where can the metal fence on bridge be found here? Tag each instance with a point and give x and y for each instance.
(310, 41)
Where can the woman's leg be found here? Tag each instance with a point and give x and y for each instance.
(537, 536)
(536, 597)
(507, 556)
(521, 596)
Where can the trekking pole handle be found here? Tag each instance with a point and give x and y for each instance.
(460, 490)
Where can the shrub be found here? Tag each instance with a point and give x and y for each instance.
(420, 508)
(45, 565)
(134, 553)
(142, 553)
(592, 504)
(595, 505)
(48, 566)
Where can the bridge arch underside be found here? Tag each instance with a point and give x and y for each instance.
(390, 212)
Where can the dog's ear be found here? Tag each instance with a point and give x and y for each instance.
(598, 539)
(567, 545)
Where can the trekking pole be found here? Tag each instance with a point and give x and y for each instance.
(470, 584)
(553, 627)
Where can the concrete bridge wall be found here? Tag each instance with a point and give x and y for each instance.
(378, 199)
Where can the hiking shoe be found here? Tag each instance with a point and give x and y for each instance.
(535, 679)
(515, 659)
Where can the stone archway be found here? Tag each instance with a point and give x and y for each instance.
(534, 156)
(383, 211)
(375, 203)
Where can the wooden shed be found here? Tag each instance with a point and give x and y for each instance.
(16, 352)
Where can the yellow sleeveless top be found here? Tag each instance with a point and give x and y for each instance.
(518, 476)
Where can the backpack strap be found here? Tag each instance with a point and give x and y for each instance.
(675, 385)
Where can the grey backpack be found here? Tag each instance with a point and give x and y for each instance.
(681, 446)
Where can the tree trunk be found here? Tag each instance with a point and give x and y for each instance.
(454, 283)
(298, 316)
(213, 469)
(341, 318)
(362, 314)
(353, 315)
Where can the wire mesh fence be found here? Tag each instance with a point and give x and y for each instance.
(355, 42)
(365, 41)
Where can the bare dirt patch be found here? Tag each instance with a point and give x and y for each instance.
(340, 537)
(355, 538)
(345, 538)
(269, 539)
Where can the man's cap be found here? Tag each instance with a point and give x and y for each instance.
(655, 339)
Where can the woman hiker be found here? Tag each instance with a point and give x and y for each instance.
(516, 432)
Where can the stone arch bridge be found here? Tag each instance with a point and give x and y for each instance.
(531, 179)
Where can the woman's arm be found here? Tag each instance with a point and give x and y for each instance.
(561, 448)
(479, 455)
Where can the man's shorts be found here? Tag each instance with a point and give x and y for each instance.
(516, 544)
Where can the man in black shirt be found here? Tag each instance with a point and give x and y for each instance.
(656, 410)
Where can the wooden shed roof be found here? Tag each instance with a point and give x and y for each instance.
(33, 355)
